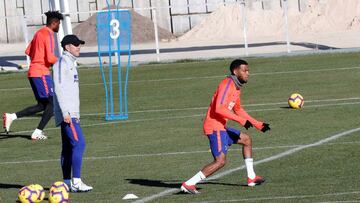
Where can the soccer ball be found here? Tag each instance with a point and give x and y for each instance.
(28, 194)
(59, 192)
(58, 196)
(296, 101)
(59, 185)
(40, 190)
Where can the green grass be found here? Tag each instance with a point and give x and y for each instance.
(139, 155)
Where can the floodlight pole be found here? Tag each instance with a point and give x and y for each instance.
(26, 38)
(66, 24)
(285, 7)
(154, 13)
(244, 26)
(54, 5)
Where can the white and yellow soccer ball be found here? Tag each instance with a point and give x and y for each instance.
(59, 185)
(59, 192)
(40, 190)
(296, 101)
(28, 194)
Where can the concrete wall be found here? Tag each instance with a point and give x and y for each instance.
(179, 18)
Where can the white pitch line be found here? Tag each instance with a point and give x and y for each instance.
(343, 201)
(204, 77)
(271, 158)
(286, 197)
(220, 76)
(203, 108)
(182, 117)
(247, 105)
(161, 154)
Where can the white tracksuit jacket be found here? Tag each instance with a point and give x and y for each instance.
(66, 86)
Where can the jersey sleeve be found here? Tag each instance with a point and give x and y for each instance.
(49, 47)
(28, 49)
(32, 46)
(221, 107)
(240, 111)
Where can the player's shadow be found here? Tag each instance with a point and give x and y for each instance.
(154, 183)
(220, 183)
(9, 136)
(176, 184)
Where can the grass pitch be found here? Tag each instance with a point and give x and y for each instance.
(162, 143)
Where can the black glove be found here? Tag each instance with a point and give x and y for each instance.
(265, 127)
(248, 125)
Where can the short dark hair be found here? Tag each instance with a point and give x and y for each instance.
(235, 64)
(53, 16)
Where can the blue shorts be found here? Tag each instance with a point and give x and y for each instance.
(221, 140)
(42, 87)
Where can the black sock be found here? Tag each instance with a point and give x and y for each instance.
(48, 113)
(31, 110)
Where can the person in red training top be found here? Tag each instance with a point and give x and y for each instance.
(225, 105)
(41, 51)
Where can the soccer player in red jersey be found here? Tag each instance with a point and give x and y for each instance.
(41, 51)
(225, 105)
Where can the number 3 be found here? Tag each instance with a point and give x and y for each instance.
(115, 31)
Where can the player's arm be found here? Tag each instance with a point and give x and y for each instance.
(60, 73)
(221, 106)
(49, 47)
(28, 49)
(239, 110)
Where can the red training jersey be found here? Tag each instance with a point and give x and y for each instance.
(225, 104)
(41, 52)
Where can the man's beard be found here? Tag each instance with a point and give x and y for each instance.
(241, 80)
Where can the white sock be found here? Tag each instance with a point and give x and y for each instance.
(250, 168)
(13, 116)
(195, 179)
(68, 182)
(76, 180)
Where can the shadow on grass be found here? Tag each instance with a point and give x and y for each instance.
(225, 184)
(176, 184)
(286, 107)
(9, 136)
(45, 199)
(8, 186)
(154, 183)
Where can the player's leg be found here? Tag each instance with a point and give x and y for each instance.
(77, 141)
(214, 166)
(66, 155)
(246, 142)
(44, 87)
(38, 90)
(190, 185)
(38, 134)
(8, 118)
(219, 147)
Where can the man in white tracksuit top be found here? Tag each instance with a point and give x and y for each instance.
(67, 113)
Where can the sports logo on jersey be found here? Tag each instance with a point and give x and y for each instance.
(231, 105)
(76, 78)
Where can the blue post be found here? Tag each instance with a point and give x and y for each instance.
(114, 37)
